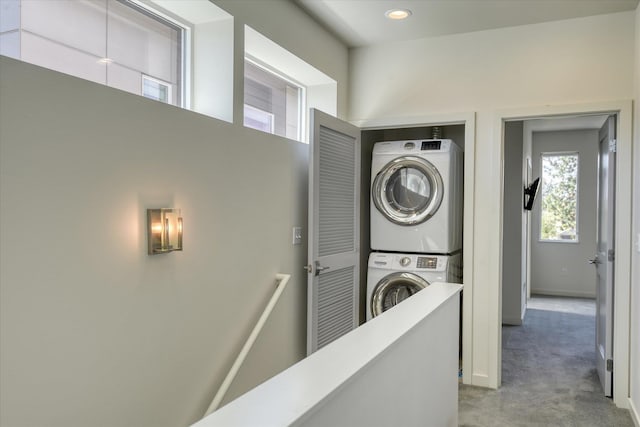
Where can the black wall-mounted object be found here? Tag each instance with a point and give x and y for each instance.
(530, 194)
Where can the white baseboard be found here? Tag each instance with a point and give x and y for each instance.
(511, 321)
(480, 380)
(562, 293)
(635, 415)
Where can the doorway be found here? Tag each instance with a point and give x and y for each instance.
(529, 233)
(554, 234)
(546, 249)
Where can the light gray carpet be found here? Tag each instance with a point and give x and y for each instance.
(549, 376)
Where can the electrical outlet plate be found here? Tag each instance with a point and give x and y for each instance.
(297, 235)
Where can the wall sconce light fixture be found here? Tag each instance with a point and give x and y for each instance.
(164, 230)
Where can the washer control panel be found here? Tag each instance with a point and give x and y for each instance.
(408, 262)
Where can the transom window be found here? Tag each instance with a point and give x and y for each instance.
(125, 44)
(156, 89)
(272, 102)
(559, 204)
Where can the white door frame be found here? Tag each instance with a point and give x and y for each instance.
(623, 111)
(468, 119)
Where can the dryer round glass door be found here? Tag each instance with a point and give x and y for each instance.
(408, 190)
(393, 289)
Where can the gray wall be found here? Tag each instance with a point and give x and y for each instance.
(95, 331)
(513, 296)
(561, 268)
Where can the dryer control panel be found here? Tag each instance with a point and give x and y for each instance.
(429, 262)
(414, 146)
(433, 144)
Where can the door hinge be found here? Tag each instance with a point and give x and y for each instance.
(613, 145)
(611, 255)
(609, 365)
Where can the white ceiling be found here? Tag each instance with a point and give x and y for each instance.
(567, 123)
(362, 22)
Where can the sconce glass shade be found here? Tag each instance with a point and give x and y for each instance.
(164, 230)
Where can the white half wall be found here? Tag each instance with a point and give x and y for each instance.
(561, 268)
(398, 369)
(558, 63)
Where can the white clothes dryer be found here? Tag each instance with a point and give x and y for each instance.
(416, 196)
(393, 277)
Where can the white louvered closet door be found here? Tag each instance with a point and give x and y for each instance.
(334, 223)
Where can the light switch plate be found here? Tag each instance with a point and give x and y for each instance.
(297, 235)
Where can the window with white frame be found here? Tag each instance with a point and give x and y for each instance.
(156, 89)
(259, 119)
(294, 85)
(559, 199)
(272, 102)
(124, 44)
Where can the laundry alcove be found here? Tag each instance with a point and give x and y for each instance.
(455, 132)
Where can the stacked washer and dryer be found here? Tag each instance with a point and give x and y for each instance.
(416, 219)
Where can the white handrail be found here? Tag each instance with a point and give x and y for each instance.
(282, 279)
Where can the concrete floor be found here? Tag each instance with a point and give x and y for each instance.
(549, 375)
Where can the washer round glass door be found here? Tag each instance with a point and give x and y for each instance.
(408, 190)
(393, 289)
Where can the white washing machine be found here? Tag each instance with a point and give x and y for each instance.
(393, 277)
(416, 196)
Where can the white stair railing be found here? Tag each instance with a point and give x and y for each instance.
(282, 279)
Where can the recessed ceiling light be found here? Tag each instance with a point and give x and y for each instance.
(398, 14)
